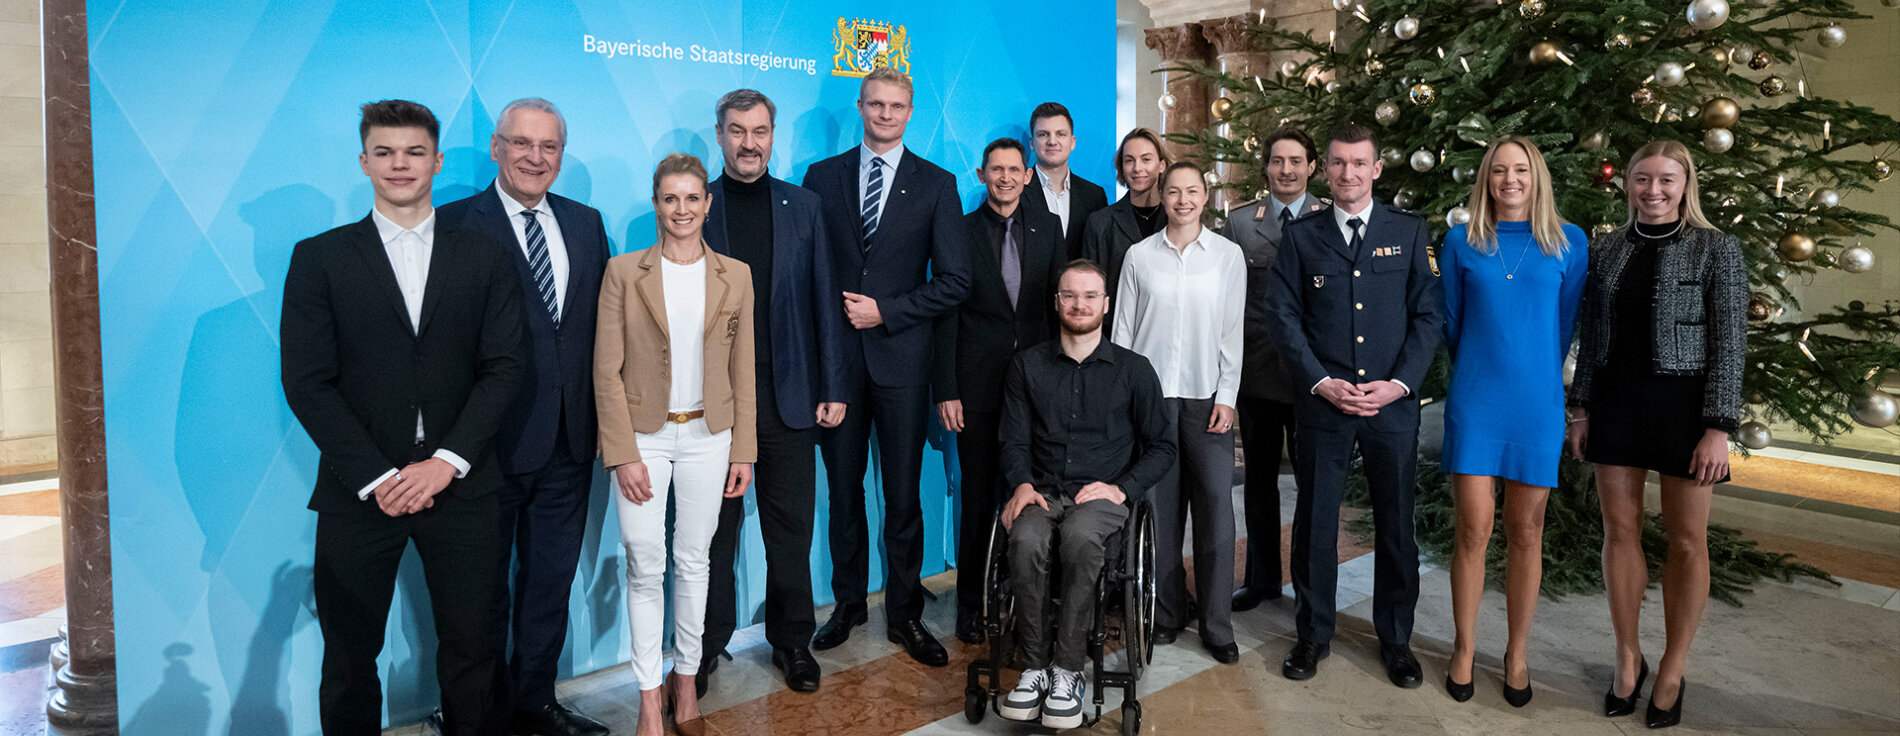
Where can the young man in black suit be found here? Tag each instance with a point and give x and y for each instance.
(800, 351)
(1015, 253)
(1053, 188)
(558, 249)
(402, 350)
(899, 248)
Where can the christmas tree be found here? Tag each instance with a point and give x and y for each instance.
(1589, 83)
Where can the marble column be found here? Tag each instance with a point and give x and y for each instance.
(1177, 45)
(85, 700)
(1233, 41)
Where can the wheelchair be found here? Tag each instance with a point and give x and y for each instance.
(1124, 610)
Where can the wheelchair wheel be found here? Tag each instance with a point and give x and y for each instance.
(1131, 718)
(975, 704)
(1138, 609)
(999, 602)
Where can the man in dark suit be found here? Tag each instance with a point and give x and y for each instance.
(800, 359)
(402, 350)
(558, 248)
(1054, 189)
(901, 256)
(1015, 253)
(1288, 160)
(1355, 308)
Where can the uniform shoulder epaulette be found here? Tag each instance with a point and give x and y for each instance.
(1244, 205)
(1312, 213)
(1407, 213)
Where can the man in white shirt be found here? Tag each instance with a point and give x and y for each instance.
(1054, 187)
(402, 348)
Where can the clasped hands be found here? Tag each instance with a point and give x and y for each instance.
(413, 488)
(1359, 400)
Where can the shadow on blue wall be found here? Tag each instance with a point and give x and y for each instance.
(180, 707)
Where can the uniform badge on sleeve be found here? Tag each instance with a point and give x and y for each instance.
(1319, 281)
(1431, 256)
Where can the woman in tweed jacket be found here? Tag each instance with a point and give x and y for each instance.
(1658, 387)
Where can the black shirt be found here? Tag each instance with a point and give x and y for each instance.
(993, 225)
(749, 233)
(1068, 424)
(1148, 219)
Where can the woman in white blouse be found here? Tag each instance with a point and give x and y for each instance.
(673, 377)
(1180, 304)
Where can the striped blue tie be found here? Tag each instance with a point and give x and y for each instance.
(542, 268)
(873, 191)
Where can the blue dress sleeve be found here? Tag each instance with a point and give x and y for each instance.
(1451, 280)
(1576, 273)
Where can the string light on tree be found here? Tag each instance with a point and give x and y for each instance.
(1545, 53)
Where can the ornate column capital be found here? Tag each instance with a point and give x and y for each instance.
(1178, 43)
(1230, 35)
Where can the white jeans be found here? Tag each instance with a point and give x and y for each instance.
(694, 461)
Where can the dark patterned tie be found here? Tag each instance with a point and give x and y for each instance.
(873, 191)
(1353, 223)
(541, 267)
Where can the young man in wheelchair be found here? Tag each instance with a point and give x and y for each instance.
(1083, 438)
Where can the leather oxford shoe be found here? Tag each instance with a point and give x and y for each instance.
(555, 719)
(800, 669)
(919, 643)
(1401, 666)
(970, 627)
(1222, 653)
(837, 629)
(1302, 662)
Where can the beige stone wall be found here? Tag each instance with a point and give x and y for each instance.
(26, 335)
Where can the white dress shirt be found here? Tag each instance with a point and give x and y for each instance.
(1058, 201)
(1183, 310)
(1340, 216)
(550, 231)
(409, 251)
(891, 158)
(685, 290)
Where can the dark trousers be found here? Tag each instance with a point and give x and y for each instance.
(541, 519)
(785, 483)
(982, 491)
(1320, 460)
(1265, 427)
(1079, 531)
(357, 554)
(899, 414)
(1201, 483)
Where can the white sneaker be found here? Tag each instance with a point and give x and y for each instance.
(1025, 702)
(1063, 707)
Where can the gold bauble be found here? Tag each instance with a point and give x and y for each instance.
(1773, 86)
(1374, 67)
(1717, 57)
(1643, 96)
(1603, 228)
(1760, 60)
(1883, 170)
(1423, 95)
(1824, 259)
(1250, 145)
(1796, 247)
(1531, 9)
(1760, 308)
(1720, 112)
(1220, 107)
(1544, 53)
(1617, 42)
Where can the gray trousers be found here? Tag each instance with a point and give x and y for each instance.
(1081, 530)
(1202, 483)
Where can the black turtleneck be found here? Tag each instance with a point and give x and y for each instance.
(749, 235)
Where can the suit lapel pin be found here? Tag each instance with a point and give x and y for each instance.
(1319, 281)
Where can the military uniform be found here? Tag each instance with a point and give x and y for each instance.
(1360, 312)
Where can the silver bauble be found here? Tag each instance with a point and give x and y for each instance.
(1406, 199)
(1212, 178)
(1342, 5)
(1405, 28)
(1458, 215)
(1707, 14)
(1331, 87)
(1754, 435)
(1386, 113)
(1393, 157)
(1165, 102)
(1423, 160)
(1832, 37)
(1464, 174)
(1594, 142)
(1289, 68)
(1826, 198)
(1472, 129)
(1718, 140)
(1856, 259)
(1876, 408)
(1670, 74)
(1570, 369)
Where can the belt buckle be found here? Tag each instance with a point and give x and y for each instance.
(681, 417)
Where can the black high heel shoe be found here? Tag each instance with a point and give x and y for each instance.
(1517, 697)
(1615, 707)
(1659, 718)
(1460, 693)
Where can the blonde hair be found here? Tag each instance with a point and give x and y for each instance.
(888, 75)
(1691, 206)
(676, 164)
(1547, 227)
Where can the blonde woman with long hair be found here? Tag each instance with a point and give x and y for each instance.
(1512, 279)
(1659, 387)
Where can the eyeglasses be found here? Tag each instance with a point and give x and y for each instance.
(523, 145)
(1070, 297)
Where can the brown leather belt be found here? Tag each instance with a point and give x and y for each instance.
(682, 417)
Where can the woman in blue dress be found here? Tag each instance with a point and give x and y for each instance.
(1512, 278)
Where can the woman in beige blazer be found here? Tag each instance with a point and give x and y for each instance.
(674, 380)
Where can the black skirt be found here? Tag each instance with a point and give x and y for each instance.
(1643, 420)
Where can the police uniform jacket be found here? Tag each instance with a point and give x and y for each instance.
(1256, 229)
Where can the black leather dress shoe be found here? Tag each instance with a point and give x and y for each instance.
(837, 629)
(1222, 653)
(555, 719)
(1165, 635)
(1659, 718)
(1401, 666)
(1246, 599)
(1302, 662)
(970, 627)
(801, 670)
(919, 643)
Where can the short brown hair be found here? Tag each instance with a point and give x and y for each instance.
(1050, 110)
(1199, 172)
(1161, 149)
(1084, 265)
(888, 75)
(676, 164)
(398, 114)
(1353, 133)
(1287, 134)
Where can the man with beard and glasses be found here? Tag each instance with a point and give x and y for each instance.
(1084, 436)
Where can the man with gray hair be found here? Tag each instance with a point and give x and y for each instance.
(777, 229)
(548, 442)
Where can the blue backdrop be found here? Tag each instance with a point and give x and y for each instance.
(226, 131)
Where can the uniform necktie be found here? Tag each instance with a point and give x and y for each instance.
(873, 193)
(1357, 238)
(1286, 216)
(1012, 263)
(540, 266)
